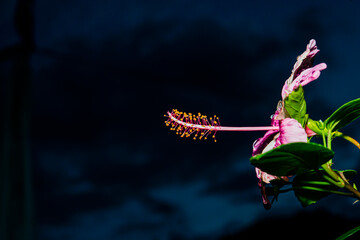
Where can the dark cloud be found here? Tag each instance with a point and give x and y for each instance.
(105, 74)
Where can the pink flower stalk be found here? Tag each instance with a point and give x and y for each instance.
(188, 124)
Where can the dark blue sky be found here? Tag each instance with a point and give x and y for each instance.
(104, 73)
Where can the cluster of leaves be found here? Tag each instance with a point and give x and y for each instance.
(309, 164)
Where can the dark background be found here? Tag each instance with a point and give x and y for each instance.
(85, 85)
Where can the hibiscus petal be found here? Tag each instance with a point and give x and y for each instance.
(312, 48)
(261, 143)
(308, 75)
(291, 131)
(305, 60)
(302, 73)
(304, 78)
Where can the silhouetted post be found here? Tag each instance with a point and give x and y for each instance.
(16, 202)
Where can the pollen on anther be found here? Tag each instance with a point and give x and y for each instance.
(185, 124)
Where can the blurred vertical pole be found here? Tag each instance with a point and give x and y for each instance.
(16, 202)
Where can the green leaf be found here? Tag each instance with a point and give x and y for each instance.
(343, 115)
(316, 126)
(292, 158)
(295, 105)
(306, 118)
(311, 186)
(349, 233)
(276, 184)
(310, 196)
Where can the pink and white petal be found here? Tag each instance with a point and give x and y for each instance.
(263, 176)
(266, 202)
(261, 143)
(304, 60)
(271, 145)
(291, 131)
(258, 172)
(304, 78)
(285, 90)
(303, 63)
(309, 75)
(266, 178)
(312, 48)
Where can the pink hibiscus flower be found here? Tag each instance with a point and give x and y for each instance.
(283, 130)
(290, 129)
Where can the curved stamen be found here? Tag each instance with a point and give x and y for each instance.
(186, 124)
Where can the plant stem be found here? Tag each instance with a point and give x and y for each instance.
(353, 190)
(329, 139)
(350, 139)
(322, 183)
(325, 190)
(348, 233)
(336, 179)
(353, 194)
(346, 184)
(324, 140)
